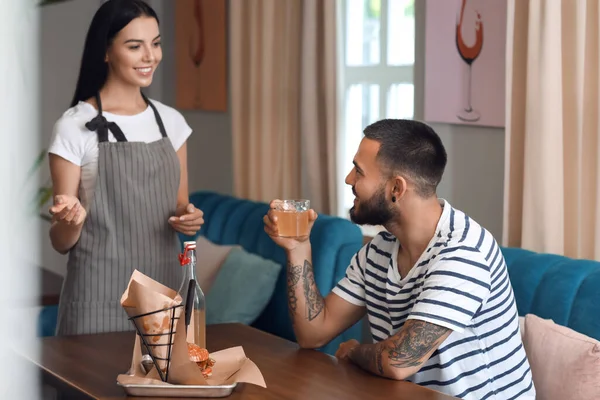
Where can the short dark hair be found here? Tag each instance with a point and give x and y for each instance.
(412, 148)
(111, 17)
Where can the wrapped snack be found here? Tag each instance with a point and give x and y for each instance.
(202, 358)
(147, 302)
(156, 326)
(154, 309)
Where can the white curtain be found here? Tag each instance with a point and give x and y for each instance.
(283, 95)
(552, 177)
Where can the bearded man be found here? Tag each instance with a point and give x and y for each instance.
(434, 286)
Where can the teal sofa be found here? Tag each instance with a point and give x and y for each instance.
(549, 286)
(554, 287)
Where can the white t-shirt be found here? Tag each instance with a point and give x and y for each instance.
(74, 142)
(460, 282)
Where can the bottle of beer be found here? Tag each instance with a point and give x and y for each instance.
(192, 295)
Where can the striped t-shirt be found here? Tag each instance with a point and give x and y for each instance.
(459, 282)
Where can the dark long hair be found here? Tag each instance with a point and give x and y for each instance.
(111, 17)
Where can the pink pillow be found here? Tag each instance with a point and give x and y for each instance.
(565, 364)
(210, 257)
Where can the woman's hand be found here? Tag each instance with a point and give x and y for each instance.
(187, 220)
(68, 210)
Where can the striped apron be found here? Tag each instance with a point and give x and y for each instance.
(126, 228)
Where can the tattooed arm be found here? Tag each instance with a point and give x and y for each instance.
(316, 320)
(403, 354)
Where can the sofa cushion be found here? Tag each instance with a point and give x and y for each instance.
(210, 257)
(242, 288)
(565, 364)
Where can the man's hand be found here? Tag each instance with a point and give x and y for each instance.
(316, 320)
(345, 348)
(403, 354)
(272, 228)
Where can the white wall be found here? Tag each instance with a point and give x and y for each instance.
(18, 241)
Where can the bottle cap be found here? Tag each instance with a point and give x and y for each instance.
(187, 246)
(191, 244)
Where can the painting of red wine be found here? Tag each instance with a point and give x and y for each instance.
(201, 55)
(465, 45)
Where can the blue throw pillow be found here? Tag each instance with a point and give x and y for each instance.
(242, 289)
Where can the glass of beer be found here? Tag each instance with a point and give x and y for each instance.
(292, 218)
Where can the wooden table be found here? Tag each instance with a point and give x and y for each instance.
(87, 366)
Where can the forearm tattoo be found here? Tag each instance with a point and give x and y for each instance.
(293, 277)
(312, 296)
(414, 341)
(369, 357)
(314, 302)
(406, 349)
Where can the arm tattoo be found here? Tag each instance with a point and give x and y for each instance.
(293, 277)
(369, 357)
(413, 342)
(404, 350)
(312, 296)
(314, 302)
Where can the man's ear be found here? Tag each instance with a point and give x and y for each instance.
(399, 187)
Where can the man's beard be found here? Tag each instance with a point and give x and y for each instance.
(374, 211)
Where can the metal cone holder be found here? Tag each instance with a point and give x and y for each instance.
(147, 339)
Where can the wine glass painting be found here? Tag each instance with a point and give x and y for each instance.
(465, 44)
(469, 54)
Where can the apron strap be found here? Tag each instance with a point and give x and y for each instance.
(102, 126)
(159, 120)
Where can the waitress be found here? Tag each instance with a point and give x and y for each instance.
(119, 171)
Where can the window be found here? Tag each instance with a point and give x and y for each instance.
(377, 54)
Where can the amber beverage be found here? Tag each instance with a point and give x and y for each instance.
(199, 317)
(292, 218)
(195, 301)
